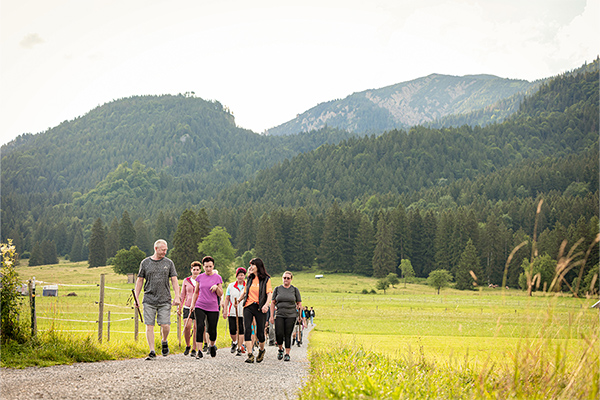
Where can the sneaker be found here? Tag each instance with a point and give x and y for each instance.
(243, 349)
(187, 350)
(280, 354)
(233, 347)
(261, 355)
(213, 351)
(199, 355)
(165, 349)
(205, 348)
(286, 358)
(151, 356)
(250, 359)
(193, 353)
(239, 352)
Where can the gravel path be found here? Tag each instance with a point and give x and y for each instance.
(177, 376)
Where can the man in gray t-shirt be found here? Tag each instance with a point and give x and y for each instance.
(157, 270)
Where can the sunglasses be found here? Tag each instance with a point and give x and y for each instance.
(287, 277)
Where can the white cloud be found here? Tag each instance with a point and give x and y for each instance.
(31, 40)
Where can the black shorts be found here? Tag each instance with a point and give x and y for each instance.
(186, 313)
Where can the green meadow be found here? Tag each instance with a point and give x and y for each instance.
(407, 343)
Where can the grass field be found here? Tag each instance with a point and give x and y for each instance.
(456, 337)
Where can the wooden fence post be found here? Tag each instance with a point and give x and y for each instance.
(101, 308)
(108, 328)
(32, 306)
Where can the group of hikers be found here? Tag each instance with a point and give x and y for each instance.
(252, 308)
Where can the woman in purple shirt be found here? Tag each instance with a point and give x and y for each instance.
(205, 304)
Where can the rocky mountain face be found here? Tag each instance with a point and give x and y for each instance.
(406, 104)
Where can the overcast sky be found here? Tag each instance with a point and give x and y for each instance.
(268, 60)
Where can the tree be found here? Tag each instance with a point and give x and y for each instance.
(364, 248)
(49, 252)
(218, 245)
(126, 232)
(302, 248)
(185, 242)
(440, 278)
(331, 250)
(383, 284)
(267, 247)
(468, 272)
(143, 239)
(76, 253)
(112, 238)
(541, 273)
(383, 256)
(393, 279)
(37, 257)
(246, 236)
(128, 261)
(97, 255)
(407, 270)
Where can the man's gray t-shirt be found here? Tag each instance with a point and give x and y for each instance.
(157, 289)
(286, 299)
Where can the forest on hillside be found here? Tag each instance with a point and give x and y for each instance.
(328, 199)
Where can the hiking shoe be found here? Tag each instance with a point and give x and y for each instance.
(199, 355)
(213, 351)
(205, 348)
(261, 356)
(286, 358)
(239, 352)
(151, 356)
(165, 349)
(187, 350)
(250, 359)
(243, 349)
(233, 347)
(299, 344)
(193, 353)
(280, 354)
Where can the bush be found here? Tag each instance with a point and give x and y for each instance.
(10, 299)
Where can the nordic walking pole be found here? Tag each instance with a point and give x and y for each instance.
(137, 305)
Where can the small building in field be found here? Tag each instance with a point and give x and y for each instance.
(50, 290)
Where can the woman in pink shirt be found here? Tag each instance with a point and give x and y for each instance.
(187, 291)
(205, 304)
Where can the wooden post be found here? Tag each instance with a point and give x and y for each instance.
(108, 328)
(32, 306)
(136, 324)
(179, 329)
(101, 308)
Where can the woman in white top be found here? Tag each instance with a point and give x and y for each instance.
(235, 314)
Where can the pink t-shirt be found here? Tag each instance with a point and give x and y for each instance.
(207, 300)
(187, 291)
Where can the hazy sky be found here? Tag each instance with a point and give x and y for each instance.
(268, 60)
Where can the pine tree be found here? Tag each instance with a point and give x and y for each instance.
(429, 231)
(383, 257)
(267, 247)
(417, 245)
(469, 263)
(332, 247)
(185, 242)
(97, 247)
(37, 258)
(49, 252)
(246, 233)
(112, 238)
(400, 232)
(142, 236)
(203, 224)
(161, 231)
(76, 253)
(364, 248)
(126, 232)
(301, 247)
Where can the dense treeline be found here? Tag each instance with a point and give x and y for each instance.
(360, 206)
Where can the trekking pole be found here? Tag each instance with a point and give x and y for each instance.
(137, 305)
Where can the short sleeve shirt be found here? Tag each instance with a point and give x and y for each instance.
(157, 273)
(286, 299)
(235, 291)
(207, 300)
